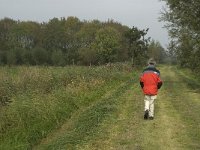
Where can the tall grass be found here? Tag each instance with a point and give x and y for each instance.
(36, 100)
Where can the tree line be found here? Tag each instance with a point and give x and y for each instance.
(67, 41)
(183, 24)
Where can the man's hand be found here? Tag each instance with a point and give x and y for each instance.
(159, 85)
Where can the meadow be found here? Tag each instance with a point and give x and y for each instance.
(96, 108)
(36, 100)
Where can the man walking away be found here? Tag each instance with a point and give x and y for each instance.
(150, 82)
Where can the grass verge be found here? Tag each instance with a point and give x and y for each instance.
(43, 98)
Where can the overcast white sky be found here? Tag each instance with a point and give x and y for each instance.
(140, 13)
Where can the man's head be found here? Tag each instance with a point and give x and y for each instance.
(151, 62)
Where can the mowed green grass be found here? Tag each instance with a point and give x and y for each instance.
(116, 121)
(43, 98)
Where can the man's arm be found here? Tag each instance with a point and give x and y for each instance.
(141, 81)
(159, 85)
(141, 84)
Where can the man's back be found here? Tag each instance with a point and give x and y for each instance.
(150, 80)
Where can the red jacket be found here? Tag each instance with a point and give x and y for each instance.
(150, 80)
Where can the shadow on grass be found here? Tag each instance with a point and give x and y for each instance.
(192, 84)
(86, 125)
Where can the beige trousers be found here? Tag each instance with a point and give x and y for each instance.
(149, 104)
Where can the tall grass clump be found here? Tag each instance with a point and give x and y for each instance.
(36, 100)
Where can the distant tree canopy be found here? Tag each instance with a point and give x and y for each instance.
(156, 51)
(183, 24)
(68, 41)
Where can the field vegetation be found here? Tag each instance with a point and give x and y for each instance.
(36, 100)
(47, 108)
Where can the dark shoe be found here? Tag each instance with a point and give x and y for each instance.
(146, 114)
(151, 118)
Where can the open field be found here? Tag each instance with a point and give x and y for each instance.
(97, 108)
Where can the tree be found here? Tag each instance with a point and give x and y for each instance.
(87, 33)
(65, 41)
(11, 58)
(54, 35)
(3, 57)
(27, 57)
(6, 26)
(156, 51)
(123, 52)
(137, 45)
(40, 56)
(171, 52)
(57, 58)
(25, 35)
(183, 24)
(88, 56)
(72, 27)
(106, 45)
(86, 37)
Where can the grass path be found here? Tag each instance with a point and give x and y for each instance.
(116, 122)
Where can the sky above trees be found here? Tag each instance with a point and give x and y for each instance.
(140, 13)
